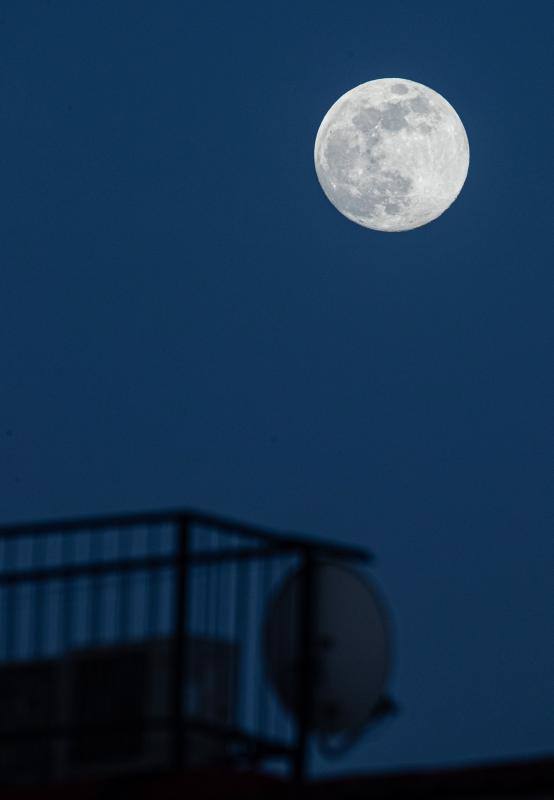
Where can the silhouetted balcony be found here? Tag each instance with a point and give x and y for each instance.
(133, 644)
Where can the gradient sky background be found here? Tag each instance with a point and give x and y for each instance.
(186, 320)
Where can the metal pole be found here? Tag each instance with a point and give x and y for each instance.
(179, 656)
(305, 650)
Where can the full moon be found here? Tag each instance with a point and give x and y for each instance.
(391, 154)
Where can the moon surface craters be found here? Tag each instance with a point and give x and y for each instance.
(391, 154)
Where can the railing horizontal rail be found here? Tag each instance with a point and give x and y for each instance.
(286, 540)
(84, 570)
(148, 564)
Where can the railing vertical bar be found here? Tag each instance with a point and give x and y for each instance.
(35, 631)
(179, 647)
(263, 575)
(242, 604)
(235, 627)
(67, 595)
(207, 596)
(11, 602)
(247, 598)
(123, 589)
(96, 589)
(153, 584)
(272, 723)
(305, 650)
(190, 625)
(215, 629)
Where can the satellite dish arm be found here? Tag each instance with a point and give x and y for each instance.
(334, 746)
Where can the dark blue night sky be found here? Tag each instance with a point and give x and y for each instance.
(186, 320)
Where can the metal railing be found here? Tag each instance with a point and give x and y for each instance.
(89, 600)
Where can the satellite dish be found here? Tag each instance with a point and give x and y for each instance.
(352, 650)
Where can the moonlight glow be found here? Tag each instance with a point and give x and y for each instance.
(391, 154)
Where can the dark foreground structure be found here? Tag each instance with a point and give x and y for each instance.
(133, 644)
(132, 663)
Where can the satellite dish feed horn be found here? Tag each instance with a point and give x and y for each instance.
(352, 652)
